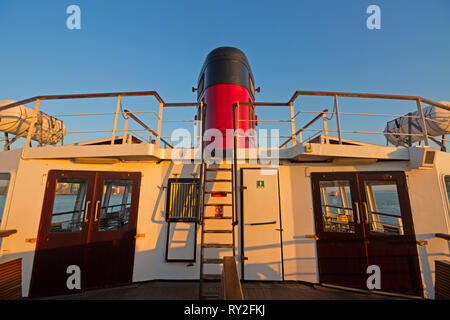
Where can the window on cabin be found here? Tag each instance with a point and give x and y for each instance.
(384, 210)
(4, 183)
(116, 205)
(447, 188)
(337, 211)
(182, 200)
(69, 205)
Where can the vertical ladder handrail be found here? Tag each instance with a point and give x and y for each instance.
(202, 197)
(233, 184)
(234, 167)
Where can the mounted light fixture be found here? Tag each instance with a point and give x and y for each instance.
(96, 160)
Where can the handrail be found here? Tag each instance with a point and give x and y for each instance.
(163, 104)
(234, 161)
(100, 95)
(366, 95)
(305, 127)
(147, 128)
(7, 233)
(443, 236)
(84, 96)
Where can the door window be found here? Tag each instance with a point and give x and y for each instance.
(69, 205)
(383, 207)
(4, 183)
(337, 212)
(115, 212)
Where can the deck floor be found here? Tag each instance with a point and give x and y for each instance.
(188, 290)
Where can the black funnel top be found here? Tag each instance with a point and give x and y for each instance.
(225, 65)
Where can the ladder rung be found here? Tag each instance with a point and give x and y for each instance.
(218, 180)
(218, 204)
(217, 231)
(212, 276)
(214, 217)
(212, 261)
(217, 245)
(226, 192)
(209, 295)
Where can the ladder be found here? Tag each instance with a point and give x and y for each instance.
(214, 225)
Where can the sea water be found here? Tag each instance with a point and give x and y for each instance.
(65, 203)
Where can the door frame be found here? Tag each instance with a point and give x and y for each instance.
(241, 212)
(357, 179)
(328, 239)
(93, 192)
(112, 237)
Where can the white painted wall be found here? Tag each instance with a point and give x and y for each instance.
(429, 207)
(300, 262)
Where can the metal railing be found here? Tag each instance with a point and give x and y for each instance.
(294, 137)
(443, 236)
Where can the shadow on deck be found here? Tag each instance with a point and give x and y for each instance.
(259, 290)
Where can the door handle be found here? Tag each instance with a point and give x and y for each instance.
(358, 221)
(261, 223)
(366, 212)
(86, 211)
(96, 211)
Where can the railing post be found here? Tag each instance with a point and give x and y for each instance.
(113, 138)
(200, 131)
(234, 162)
(294, 138)
(125, 129)
(32, 125)
(338, 122)
(160, 114)
(325, 128)
(424, 124)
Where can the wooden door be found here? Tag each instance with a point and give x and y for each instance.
(390, 238)
(371, 227)
(89, 221)
(340, 247)
(110, 250)
(63, 231)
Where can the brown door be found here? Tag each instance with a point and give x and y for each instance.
(63, 231)
(339, 229)
(88, 220)
(390, 238)
(110, 251)
(380, 232)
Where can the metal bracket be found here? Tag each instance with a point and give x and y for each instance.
(422, 242)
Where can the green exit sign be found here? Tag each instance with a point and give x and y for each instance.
(260, 184)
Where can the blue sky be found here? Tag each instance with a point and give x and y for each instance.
(291, 45)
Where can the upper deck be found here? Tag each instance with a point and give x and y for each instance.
(285, 131)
